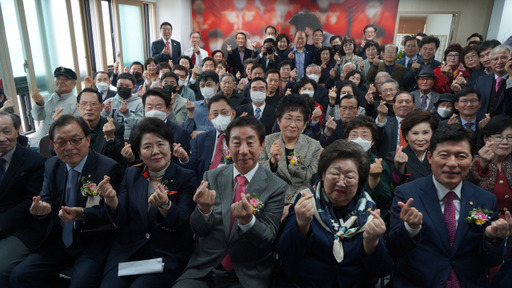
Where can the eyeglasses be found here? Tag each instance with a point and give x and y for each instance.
(75, 142)
(465, 102)
(348, 179)
(348, 45)
(92, 104)
(209, 84)
(502, 58)
(454, 55)
(369, 32)
(350, 108)
(386, 91)
(499, 138)
(471, 57)
(296, 121)
(214, 114)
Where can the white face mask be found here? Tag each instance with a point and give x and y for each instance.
(258, 97)
(314, 77)
(363, 143)
(156, 114)
(207, 92)
(181, 83)
(444, 112)
(221, 122)
(310, 93)
(102, 86)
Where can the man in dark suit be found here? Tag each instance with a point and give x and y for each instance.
(428, 48)
(102, 82)
(209, 149)
(237, 56)
(21, 177)
(266, 114)
(424, 97)
(300, 57)
(389, 65)
(107, 135)
(411, 50)
(235, 239)
(72, 221)
(467, 102)
(430, 237)
(165, 49)
(492, 85)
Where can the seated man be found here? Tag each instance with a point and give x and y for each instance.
(102, 82)
(209, 150)
(433, 235)
(425, 97)
(125, 108)
(389, 65)
(266, 114)
(107, 136)
(21, 177)
(227, 88)
(234, 239)
(183, 89)
(197, 112)
(334, 129)
(179, 110)
(61, 208)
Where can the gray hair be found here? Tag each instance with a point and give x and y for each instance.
(499, 49)
(315, 66)
(227, 75)
(382, 74)
(390, 80)
(349, 64)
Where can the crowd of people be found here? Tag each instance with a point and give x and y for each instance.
(282, 165)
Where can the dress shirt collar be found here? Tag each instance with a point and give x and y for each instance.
(249, 174)
(8, 157)
(442, 191)
(262, 107)
(78, 167)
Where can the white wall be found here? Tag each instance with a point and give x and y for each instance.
(500, 24)
(438, 24)
(179, 14)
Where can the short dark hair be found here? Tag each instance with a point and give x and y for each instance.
(430, 39)
(218, 98)
(127, 76)
(304, 81)
(98, 73)
(162, 65)
(217, 51)
(223, 64)
(411, 37)
(179, 67)
(361, 82)
(249, 121)
(256, 66)
(68, 119)
(454, 47)
(348, 40)
(343, 149)
(170, 74)
(475, 35)
(318, 30)
(371, 43)
(281, 36)
(15, 120)
(453, 132)
(467, 90)
(240, 33)
(271, 71)
(258, 79)
(165, 23)
(305, 19)
(212, 75)
(400, 93)
(271, 41)
(148, 61)
(284, 63)
(349, 96)
(293, 102)
(195, 32)
(363, 121)
(416, 117)
(206, 59)
(347, 82)
(138, 63)
(149, 125)
(271, 27)
(334, 37)
(468, 49)
(162, 93)
(487, 44)
(187, 59)
(89, 90)
(370, 26)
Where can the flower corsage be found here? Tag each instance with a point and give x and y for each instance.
(226, 155)
(479, 216)
(256, 203)
(88, 188)
(296, 159)
(164, 187)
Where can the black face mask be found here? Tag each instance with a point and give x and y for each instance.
(137, 75)
(336, 48)
(124, 92)
(169, 88)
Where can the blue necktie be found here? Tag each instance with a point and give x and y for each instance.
(258, 114)
(71, 190)
(2, 170)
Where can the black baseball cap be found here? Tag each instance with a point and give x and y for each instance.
(66, 72)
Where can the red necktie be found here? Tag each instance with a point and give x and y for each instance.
(240, 188)
(403, 143)
(451, 226)
(498, 83)
(218, 153)
(168, 49)
(193, 59)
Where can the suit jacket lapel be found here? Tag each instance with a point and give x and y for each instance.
(467, 195)
(433, 209)
(209, 142)
(100, 139)
(226, 198)
(14, 167)
(88, 169)
(283, 163)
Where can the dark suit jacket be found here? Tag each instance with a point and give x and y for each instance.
(414, 167)
(388, 137)
(180, 135)
(338, 133)
(407, 66)
(409, 80)
(250, 252)
(426, 260)
(22, 181)
(201, 152)
(268, 118)
(234, 62)
(169, 237)
(309, 58)
(158, 46)
(445, 122)
(95, 244)
(485, 85)
(397, 73)
(110, 149)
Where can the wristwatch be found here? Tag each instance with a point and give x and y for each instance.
(166, 205)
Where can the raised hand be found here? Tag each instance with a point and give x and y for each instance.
(124, 108)
(375, 172)
(254, 45)
(39, 208)
(229, 49)
(382, 111)
(410, 215)
(37, 97)
(69, 214)
(500, 228)
(58, 113)
(109, 128)
(332, 95)
(180, 153)
(315, 116)
(484, 121)
(127, 152)
(487, 154)
(293, 74)
(304, 212)
(204, 198)
(330, 126)
(291, 55)
(107, 106)
(243, 210)
(372, 232)
(159, 198)
(88, 82)
(415, 65)
(400, 159)
(275, 152)
(453, 119)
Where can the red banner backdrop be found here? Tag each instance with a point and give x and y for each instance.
(219, 20)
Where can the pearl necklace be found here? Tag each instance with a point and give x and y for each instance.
(157, 176)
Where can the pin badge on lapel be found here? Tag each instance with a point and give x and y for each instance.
(471, 203)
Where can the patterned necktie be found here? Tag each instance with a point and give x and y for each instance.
(242, 56)
(403, 143)
(2, 169)
(193, 58)
(451, 226)
(469, 125)
(498, 83)
(239, 189)
(71, 193)
(168, 48)
(218, 153)
(424, 102)
(258, 114)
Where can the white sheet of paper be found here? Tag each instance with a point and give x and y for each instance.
(92, 201)
(141, 267)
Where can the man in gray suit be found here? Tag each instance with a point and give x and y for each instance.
(424, 97)
(234, 239)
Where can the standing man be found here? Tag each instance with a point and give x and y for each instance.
(165, 49)
(389, 65)
(299, 56)
(428, 49)
(467, 103)
(431, 238)
(411, 52)
(196, 53)
(237, 56)
(102, 82)
(49, 108)
(424, 97)
(62, 208)
(235, 239)
(21, 178)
